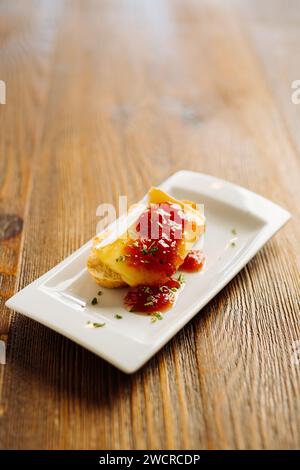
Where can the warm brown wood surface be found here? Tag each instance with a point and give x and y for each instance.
(106, 98)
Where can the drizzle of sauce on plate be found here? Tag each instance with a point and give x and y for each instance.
(151, 299)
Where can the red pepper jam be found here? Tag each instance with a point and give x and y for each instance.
(194, 261)
(159, 235)
(151, 299)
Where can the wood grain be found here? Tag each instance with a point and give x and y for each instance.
(107, 98)
(26, 43)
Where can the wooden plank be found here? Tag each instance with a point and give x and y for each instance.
(138, 91)
(26, 42)
(274, 33)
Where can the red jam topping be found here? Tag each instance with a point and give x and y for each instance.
(151, 299)
(159, 235)
(193, 262)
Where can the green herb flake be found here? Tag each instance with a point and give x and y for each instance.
(120, 258)
(100, 293)
(233, 231)
(232, 243)
(181, 278)
(149, 303)
(152, 248)
(95, 324)
(118, 317)
(156, 316)
(94, 301)
(144, 250)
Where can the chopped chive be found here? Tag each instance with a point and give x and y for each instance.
(144, 250)
(156, 316)
(118, 317)
(100, 293)
(94, 301)
(151, 249)
(95, 324)
(233, 231)
(120, 258)
(181, 278)
(148, 304)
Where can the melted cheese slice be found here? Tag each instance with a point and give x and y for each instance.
(109, 247)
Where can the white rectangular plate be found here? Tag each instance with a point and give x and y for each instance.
(61, 298)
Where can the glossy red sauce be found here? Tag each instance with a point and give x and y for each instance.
(159, 235)
(151, 299)
(194, 261)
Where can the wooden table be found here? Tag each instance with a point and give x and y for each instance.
(106, 98)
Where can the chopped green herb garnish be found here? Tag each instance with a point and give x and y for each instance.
(144, 250)
(149, 303)
(232, 243)
(173, 289)
(156, 316)
(147, 290)
(94, 301)
(95, 324)
(181, 278)
(100, 293)
(120, 258)
(150, 250)
(233, 231)
(118, 317)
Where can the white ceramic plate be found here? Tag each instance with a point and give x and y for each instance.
(61, 298)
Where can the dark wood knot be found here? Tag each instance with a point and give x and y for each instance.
(10, 226)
